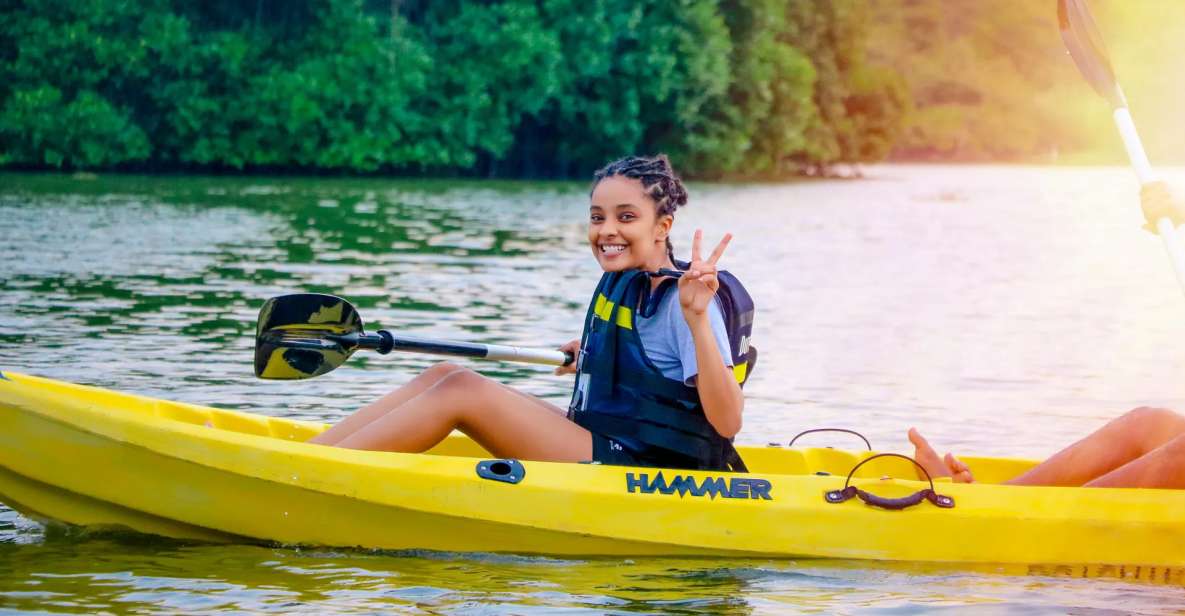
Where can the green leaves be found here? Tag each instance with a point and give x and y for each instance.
(40, 127)
(512, 87)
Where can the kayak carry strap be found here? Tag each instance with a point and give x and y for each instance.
(894, 504)
(805, 432)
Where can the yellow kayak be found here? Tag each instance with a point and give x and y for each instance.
(93, 457)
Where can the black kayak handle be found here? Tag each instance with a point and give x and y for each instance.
(893, 504)
(805, 432)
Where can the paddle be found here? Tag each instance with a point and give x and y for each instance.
(304, 335)
(1085, 45)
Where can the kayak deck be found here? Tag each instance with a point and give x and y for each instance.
(95, 457)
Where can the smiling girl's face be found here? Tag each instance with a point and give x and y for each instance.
(624, 229)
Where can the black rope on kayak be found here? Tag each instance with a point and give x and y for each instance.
(848, 491)
(805, 432)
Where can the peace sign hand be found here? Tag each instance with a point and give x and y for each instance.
(699, 283)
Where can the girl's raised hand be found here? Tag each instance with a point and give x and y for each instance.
(699, 283)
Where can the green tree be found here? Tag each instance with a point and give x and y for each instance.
(62, 103)
(860, 108)
(978, 75)
(769, 105)
(507, 87)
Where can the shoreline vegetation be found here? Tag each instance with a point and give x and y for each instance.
(544, 89)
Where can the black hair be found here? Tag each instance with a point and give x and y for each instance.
(659, 181)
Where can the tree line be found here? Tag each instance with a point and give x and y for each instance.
(510, 88)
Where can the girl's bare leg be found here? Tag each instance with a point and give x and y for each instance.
(1163, 467)
(506, 422)
(382, 406)
(1123, 440)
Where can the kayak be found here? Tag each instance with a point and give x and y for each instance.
(93, 457)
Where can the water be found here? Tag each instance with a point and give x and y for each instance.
(1005, 310)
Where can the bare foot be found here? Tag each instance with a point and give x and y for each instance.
(927, 457)
(960, 472)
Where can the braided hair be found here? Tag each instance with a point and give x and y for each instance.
(659, 181)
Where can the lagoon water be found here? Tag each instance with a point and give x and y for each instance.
(1004, 310)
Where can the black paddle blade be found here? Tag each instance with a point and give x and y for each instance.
(1085, 45)
(304, 335)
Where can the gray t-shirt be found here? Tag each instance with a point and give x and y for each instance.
(668, 342)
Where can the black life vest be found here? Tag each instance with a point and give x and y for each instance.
(622, 395)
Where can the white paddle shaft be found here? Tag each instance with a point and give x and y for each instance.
(1139, 159)
(1172, 244)
(1135, 147)
(547, 357)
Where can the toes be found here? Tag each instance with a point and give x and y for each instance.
(960, 472)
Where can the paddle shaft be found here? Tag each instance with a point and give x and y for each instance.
(1143, 169)
(494, 352)
(1086, 47)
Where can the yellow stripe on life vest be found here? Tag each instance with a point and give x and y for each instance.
(740, 371)
(625, 318)
(604, 308)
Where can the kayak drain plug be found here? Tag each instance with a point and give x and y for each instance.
(506, 471)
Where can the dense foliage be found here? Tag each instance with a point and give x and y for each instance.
(536, 88)
(978, 72)
(992, 80)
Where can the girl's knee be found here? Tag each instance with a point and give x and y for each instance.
(441, 370)
(453, 383)
(462, 379)
(1146, 428)
(429, 377)
(1151, 418)
(461, 391)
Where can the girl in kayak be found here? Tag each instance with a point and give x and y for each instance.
(1144, 448)
(679, 402)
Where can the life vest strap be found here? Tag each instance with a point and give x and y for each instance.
(684, 420)
(670, 440)
(657, 385)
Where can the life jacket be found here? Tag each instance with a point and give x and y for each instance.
(622, 395)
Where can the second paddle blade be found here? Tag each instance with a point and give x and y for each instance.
(300, 336)
(1085, 45)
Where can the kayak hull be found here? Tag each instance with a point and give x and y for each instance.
(96, 458)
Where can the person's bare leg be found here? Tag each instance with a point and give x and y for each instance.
(382, 406)
(503, 421)
(1163, 467)
(1121, 441)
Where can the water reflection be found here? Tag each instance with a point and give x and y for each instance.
(126, 573)
(176, 269)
